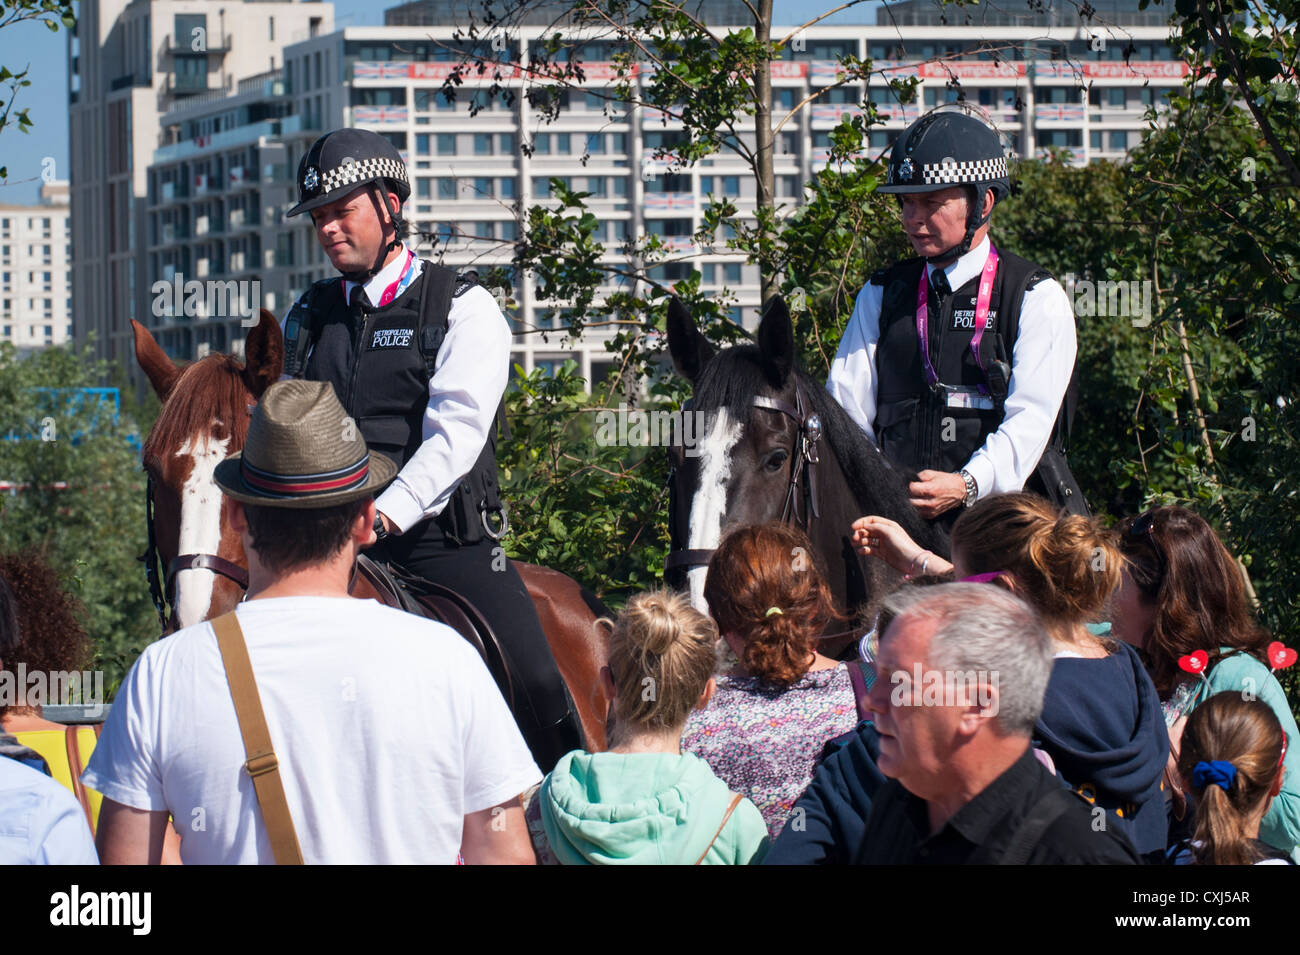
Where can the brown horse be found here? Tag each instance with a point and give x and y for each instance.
(205, 414)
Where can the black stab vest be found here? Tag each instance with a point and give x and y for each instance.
(914, 425)
(379, 361)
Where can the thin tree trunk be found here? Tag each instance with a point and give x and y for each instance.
(763, 139)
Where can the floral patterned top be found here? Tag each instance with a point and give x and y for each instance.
(764, 742)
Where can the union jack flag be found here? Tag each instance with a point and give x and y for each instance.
(833, 112)
(1060, 113)
(379, 114)
(826, 71)
(362, 70)
(669, 200)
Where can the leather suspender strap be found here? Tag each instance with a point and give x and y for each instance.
(261, 763)
(735, 801)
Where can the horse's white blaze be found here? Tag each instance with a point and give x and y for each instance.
(709, 506)
(200, 527)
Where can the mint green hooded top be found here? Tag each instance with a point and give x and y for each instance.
(645, 809)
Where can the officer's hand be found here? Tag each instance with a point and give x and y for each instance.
(936, 492)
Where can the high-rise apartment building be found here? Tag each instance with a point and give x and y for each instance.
(132, 61)
(34, 297)
(1082, 86)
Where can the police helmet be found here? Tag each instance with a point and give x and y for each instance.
(344, 159)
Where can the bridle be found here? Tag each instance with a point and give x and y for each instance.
(162, 586)
(802, 487)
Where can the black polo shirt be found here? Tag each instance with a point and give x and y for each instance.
(898, 829)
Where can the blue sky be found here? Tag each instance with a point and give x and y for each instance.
(32, 45)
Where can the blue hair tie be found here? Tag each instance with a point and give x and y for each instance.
(1217, 771)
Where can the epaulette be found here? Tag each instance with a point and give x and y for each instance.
(464, 282)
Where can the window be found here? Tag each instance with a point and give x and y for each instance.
(788, 144)
(783, 99)
(934, 96)
(422, 144)
(446, 144)
(620, 187)
(731, 185)
(708, 274)
(506, 188)
(1115, 97)
(542, 144)
(787, 186)
(444, 233)
(595, 102)
(562, 145)
(482, 144)
(618, 142)
(506, 143)
(618, 230)
(595, 144)
(1119, 140)
(508, 230)
(423, 188)
(731, 273)
(446, 188)
(596, 186)
(483, 230)
(1094, 141)
(483, 188)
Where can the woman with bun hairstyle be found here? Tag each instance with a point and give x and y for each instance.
(777, 707)
(1231, 761)
(644, 801)
(1183, 593)
(1101, 723)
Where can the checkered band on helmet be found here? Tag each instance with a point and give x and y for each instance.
(979, 170)
(364, 170)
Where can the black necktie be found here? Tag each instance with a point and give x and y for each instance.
(939, 282)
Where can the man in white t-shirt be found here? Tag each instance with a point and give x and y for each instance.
(394, 744)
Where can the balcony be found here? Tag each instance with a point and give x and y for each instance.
(185, 46)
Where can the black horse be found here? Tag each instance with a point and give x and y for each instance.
(762, 456)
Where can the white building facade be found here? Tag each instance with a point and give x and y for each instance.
(35, 300)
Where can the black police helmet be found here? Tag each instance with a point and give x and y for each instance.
(949, 146)
(344, 159)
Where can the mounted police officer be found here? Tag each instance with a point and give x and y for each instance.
(419, 357)
(960, 363)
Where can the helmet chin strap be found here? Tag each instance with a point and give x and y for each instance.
(362, 276)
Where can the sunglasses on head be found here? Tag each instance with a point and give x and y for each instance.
(1144, 528)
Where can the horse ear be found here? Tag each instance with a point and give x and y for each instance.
(691, 351)
(263, 355)
(153, 361)
(776, 340)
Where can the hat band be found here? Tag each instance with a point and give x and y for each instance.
(305, 485)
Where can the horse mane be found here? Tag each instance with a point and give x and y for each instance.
(209, 396)
(735, 375)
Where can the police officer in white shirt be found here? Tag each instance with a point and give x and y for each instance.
(960, 363)
(419, 357)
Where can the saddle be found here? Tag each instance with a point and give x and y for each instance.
(399, 588)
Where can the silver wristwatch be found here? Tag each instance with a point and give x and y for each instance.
(972, 491)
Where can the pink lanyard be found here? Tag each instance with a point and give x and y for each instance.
(391, 292)
(981, 316)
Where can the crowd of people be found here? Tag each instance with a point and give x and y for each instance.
(1022, 702)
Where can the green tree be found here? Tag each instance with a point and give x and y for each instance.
(77, 490)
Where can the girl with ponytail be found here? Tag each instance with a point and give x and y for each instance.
(1101, 724)
(644, 801)
(1231, 764)
(780, 703)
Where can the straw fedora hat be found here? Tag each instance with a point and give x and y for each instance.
(302, 451)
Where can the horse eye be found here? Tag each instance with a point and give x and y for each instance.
(776, 459)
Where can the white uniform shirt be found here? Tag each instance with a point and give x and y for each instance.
(388, 729)
(469, 377)
(1042, 361)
